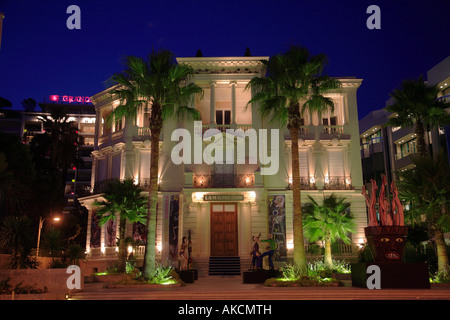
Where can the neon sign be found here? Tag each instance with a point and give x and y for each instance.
(70, 99)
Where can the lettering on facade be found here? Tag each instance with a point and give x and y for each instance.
(223, 197)
(69, 99)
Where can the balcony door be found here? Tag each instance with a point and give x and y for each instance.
(224, 237)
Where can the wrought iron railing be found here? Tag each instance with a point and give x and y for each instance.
(224, 181)
(338, 183)
(305, 184)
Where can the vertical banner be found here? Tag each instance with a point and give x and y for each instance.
(139, 233)
(173, 227)
(95, 231)
(111, 228)
(277, 225)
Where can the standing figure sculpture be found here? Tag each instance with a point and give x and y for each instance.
(184, 255)
(270, 250)
(256, 255)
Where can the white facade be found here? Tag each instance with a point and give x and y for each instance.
(247, 201)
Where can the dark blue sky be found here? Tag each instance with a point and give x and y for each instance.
(40, 56)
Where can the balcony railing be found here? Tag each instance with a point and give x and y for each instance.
(224, 181)
(100, 186)
(333, 129)
(403, 154)
(305, 184)
(144, 132)
(337, 183)
(223, 127)
(445, 98)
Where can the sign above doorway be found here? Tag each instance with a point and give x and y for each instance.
(223, 197)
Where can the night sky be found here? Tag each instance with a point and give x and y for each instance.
(40, 56)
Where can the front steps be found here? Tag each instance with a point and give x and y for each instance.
(224, 266)
(201, 264)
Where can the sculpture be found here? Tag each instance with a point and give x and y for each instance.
(389, 215)
(256, 255)
(386, 236)
(183, 256)
(270, 250)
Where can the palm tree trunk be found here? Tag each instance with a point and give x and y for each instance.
(419, 130)
(327, 255)
(150, 249)
(443, 264)
(299, 246)
(122, 249)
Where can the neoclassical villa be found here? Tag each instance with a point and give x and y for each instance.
(220, 206)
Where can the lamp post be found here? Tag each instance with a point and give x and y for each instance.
(41, 223)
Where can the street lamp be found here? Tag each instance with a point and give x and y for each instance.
(41, 223)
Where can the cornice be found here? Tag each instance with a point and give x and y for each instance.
(225, 65)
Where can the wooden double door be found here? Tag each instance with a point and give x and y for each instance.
(224, 229)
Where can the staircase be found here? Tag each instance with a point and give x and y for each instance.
(224, 266)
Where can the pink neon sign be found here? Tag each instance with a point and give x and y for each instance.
(70, 99)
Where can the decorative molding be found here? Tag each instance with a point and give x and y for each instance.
(225, 65)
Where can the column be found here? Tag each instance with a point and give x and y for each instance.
(233, 103)
(213, 105)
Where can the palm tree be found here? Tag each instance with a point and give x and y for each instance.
(162, 86)
(328, 222)
(427, 189)
(16, 236)
(64, 141)
(416, 106)
(292, 76)
(123, 199)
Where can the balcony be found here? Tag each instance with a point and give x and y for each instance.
(320, 132)
(223, 181)
(223, 127)
(445, 98)
(337, 183)
(305, 184)
(100, 186)
(403, 154)
(137, 134)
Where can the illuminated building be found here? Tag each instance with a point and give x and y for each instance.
(223, 205)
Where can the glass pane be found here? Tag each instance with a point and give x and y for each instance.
(219, 117)
(227, 117)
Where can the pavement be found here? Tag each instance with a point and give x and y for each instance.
(232, 288)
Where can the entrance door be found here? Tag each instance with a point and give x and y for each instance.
(224, 239)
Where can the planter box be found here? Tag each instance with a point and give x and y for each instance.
(259, 276)
(187, 276)
(109, 277)
(393, 275)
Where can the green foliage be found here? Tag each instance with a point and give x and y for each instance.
(318, 268)
(303, 281)
(75, 253)
(440, 277)
(291, 76)
(163, 274)
(416, 105)
(17, 237)
(331, 221)
(291, 272)
(427, 189)
(122, 198)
